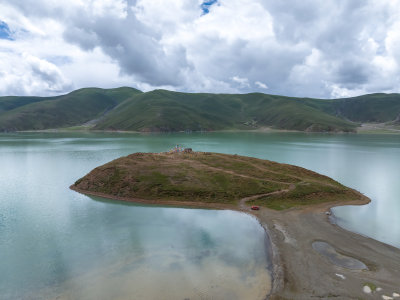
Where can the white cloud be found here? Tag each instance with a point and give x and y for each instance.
(261, 85)
(243, 82)
(29, 75)
(302, 48)
(117, 8)
(340, 92)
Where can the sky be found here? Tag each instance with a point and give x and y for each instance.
(304, 48)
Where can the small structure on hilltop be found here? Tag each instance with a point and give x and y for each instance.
(180, 149)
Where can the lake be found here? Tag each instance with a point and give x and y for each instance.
(58, 243)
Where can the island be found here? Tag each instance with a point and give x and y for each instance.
(311, 256)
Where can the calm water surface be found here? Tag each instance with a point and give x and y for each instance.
(56, 242)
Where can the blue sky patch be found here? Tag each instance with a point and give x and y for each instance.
(5, 32)
(205, 6)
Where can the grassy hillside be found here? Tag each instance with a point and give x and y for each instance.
(76, 108)
(170, 111)
(161, 110)
(373, 108)
(10, 103)
(211, 178)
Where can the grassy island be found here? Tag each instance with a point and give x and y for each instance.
(202, 177)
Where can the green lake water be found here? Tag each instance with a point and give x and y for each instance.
(57, 243)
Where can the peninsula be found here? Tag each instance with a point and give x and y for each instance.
(294, 209)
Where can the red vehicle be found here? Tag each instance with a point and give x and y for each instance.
(254, 207)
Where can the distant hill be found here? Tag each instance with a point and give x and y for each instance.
(128, 109)
(162, 110)
(76, 108)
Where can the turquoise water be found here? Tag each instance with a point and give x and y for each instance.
(57, 243)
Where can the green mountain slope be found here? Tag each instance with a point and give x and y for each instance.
(161, 110)
(12, 102)
(76, 108)
(170, 111)
(373, 108)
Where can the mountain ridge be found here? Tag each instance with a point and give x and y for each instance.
(128, 109)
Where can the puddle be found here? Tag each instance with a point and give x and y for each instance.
(336, 258)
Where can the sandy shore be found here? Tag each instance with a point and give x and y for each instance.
(302, 273)
(299, 272)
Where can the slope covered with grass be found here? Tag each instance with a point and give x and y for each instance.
(373, 108)
(128, 109)
(12, 102)
(171, 111)
(162, 110)
(211, 178)
(76, 108)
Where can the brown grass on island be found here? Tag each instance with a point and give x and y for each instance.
(202, 177)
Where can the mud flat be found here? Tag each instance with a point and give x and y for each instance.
(300, 272)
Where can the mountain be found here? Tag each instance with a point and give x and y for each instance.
(161, 110)
(76, 108)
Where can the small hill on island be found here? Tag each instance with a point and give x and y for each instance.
(202, 177)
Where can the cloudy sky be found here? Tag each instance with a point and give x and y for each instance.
(327, 49)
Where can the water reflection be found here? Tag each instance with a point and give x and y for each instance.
(56, 243)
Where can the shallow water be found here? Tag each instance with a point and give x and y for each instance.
(336, 258)
(56, 243)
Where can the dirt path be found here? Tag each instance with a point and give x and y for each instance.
(243, 175)
(242, 202)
